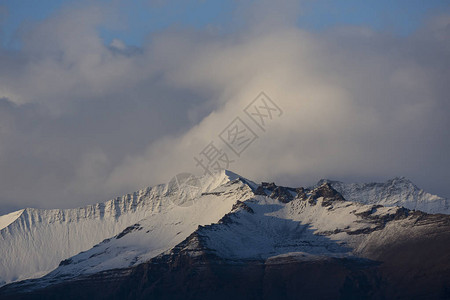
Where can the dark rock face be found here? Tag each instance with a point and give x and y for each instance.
(283, 194)
(268, 186)
(128, 230)
(65, 262)
(260, 191)
(301, 193)
(329, 194)
(182, 276)
(325, 190)
(241, 205)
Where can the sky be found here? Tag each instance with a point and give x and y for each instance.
(102, 98)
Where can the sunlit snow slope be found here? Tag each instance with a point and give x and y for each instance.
(157, 233)
(9, 218)
(34, 241)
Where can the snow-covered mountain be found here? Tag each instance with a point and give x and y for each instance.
(394, 192)
(239, 240)
(160, 231)
(34, 241)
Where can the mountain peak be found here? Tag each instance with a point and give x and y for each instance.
(402, 180)
(328, 193)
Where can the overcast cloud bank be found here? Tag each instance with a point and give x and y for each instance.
(81, 121)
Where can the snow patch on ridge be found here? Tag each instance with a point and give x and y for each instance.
(398, 191)
(5, 220)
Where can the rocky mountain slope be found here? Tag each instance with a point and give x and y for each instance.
(241, 240)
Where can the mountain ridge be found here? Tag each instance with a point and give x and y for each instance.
(398, 191)
(373, 250)
(280, 223)
(25, 251)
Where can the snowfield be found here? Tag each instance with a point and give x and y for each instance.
(34, 241)
(9, 218)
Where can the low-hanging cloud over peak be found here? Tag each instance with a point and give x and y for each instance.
(81, 120)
